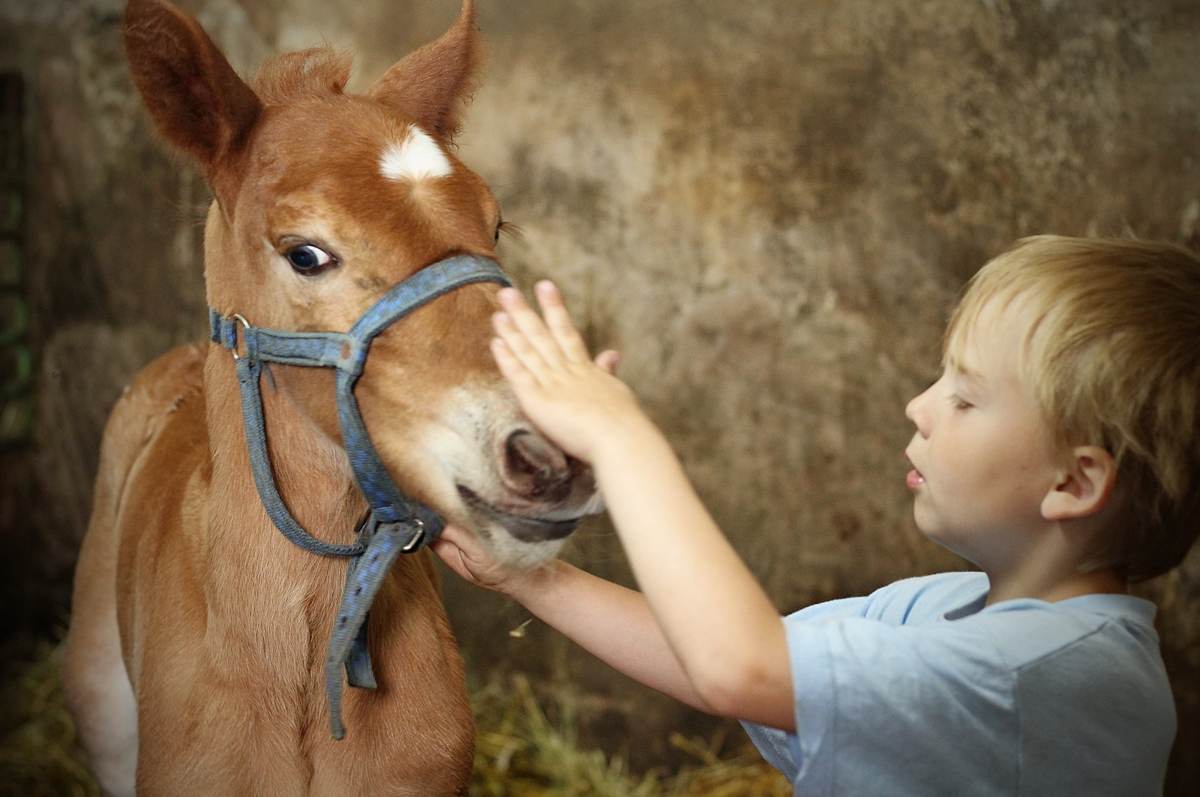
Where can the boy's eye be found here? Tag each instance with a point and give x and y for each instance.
(959, 403)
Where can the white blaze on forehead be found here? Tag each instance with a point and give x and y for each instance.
(417, 157)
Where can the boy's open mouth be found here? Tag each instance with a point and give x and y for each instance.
(915, 478)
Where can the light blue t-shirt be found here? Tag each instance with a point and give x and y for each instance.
(918, 689)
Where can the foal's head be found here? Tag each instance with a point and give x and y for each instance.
(323, 201)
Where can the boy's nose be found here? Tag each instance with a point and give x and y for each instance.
(915, 413)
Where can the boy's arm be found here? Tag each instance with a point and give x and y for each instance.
(609, 621)
(727, 635)
(722, 628)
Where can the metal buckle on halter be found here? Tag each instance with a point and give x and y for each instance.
(366, 529)
(417, 539)
(246, 326)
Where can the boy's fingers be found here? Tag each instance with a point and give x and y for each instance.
(450, 553)
(518, 346)
(511, 366)
(559, 322)
(526, 322)
(608, 360)
(457, 560)
(462, 542)
(454, 534)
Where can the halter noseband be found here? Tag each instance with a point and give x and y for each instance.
(395, 524)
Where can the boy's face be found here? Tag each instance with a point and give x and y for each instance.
(984, 457)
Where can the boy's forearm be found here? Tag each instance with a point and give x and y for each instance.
(722, 627)
(611, 622)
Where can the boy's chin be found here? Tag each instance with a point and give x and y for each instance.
(926, 524)
(944, 537)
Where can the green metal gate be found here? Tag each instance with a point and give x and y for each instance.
(16, 378)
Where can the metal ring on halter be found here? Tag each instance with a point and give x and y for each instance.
(245, 324)
(415, 542)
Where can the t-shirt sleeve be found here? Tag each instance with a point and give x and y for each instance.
(776, 745)
(880, 696)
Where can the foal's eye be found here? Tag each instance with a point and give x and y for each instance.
(308, 259)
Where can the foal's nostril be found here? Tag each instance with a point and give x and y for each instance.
(535, 468)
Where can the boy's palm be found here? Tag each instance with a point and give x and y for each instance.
(577, 403)
(465, 555)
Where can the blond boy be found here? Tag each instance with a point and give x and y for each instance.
(1059, 452)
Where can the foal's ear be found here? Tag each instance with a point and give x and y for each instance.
(431, 85)
(195, 98)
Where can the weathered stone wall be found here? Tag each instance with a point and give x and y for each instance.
(769, 207)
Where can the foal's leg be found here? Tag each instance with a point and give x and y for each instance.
(95, 683)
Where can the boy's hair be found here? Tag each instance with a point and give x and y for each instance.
(1113, 356)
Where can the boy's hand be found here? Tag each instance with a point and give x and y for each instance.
(575, 402)
(465, 555)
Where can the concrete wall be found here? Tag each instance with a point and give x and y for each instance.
(768, 206)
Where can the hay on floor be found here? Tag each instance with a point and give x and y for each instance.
(520, 751)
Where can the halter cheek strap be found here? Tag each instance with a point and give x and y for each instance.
(395, 524)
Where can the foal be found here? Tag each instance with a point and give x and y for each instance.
(196, 657)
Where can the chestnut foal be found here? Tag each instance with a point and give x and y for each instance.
(350, 268)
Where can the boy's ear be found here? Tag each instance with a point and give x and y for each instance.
(1084, 486)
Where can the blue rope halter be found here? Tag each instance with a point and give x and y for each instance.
(395, 524)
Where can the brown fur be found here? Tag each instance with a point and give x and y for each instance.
(190, 608)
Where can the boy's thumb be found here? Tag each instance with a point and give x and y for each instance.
(609, 360)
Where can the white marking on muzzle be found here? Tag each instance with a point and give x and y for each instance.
(462, 441)
(418, 157)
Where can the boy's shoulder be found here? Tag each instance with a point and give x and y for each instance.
(948, 612)
(1021, 632)
(939, 583)
(922, 599)
(908, 601)
(1103, 628)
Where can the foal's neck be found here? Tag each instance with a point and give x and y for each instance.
(310, 469)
